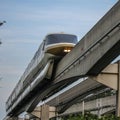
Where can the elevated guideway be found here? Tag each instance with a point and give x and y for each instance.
(97, 106)
(95, 50)
(85, 88)
(91, 55)
(79, 92)
(99, 47)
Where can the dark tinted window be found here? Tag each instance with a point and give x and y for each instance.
(60, 38)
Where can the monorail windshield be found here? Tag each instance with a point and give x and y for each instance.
(60, 38)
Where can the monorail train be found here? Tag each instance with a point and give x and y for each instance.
(53, 46)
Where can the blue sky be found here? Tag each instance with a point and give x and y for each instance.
(28, 21)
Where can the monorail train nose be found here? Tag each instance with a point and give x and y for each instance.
(59, 49)
(59, 44)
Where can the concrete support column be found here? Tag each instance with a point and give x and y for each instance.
(118, 92)
(45, 112)
(99, 105)
(83, 108)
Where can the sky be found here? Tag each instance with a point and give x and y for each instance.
(29, 21)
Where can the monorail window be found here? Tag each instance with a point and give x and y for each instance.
(60, 38)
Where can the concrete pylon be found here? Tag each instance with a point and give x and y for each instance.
(108, 77)
(44, 112)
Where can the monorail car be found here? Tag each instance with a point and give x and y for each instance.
(54, 45)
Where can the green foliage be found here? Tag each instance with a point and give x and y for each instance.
(89, 116)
